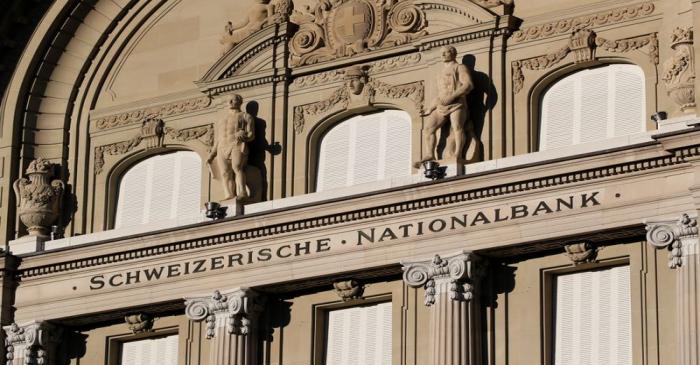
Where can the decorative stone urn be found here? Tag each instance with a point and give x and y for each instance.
(679, 70)
(38, 197)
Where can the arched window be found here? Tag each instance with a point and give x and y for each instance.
(160, 188)
(593, 105)
(364, 149)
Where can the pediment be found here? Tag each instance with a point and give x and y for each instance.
(337, 29)
(340, 29)
(254, 54)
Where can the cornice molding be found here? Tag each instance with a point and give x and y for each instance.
(564, 26)
(157, 111)
(676, 157)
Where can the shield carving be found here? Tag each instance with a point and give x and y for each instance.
(353, 22)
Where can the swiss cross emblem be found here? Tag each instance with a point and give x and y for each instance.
(353, 21)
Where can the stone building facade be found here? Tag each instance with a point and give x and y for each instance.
(352, 182)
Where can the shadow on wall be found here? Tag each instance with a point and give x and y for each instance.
(257, 171)
(479, 102)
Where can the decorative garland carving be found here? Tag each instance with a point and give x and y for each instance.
(567, 25)
(341, 28)
(342, 97)
(165, 110)
(679, 70)
(583, 43)
(153, 132)
(377, 67)
(670, 235)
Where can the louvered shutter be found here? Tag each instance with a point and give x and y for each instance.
(161, 351)
(593, 105)
(160, 188)
(593, 318)
(365, 149)
(359, 336)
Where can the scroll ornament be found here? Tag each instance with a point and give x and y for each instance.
(460, 270)
(340, 28)
(39, 197)
(239, 308)
(679, 70)
(670, 234)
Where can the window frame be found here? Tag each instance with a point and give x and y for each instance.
(548, 303)
(115, 343)
(320, 322)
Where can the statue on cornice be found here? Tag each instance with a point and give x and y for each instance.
(230, 150)
(453, 85)
(262, 13)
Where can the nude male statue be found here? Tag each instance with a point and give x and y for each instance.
(231, 149)
(453, 85)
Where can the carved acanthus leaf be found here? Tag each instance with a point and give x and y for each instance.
(566, 25)
(413, 91)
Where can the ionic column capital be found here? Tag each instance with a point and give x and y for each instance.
(461, 271)
(32, 343)
(238, 307)
(672, 234)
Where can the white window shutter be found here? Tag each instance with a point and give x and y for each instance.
(593, 105)
(558, 115)
(359, 335)
(160, 188)
(365, 149)
(592, 318)
(161, 351)
(630, 100)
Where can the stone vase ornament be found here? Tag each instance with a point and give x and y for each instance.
(39, 197)
(679, 70)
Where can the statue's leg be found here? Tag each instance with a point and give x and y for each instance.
(226, 177)
(472, 147)
(238, 163)
(457, 120)
(432, 124)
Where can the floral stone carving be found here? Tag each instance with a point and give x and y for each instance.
(340, 28)
(679, 70)
(39, 197)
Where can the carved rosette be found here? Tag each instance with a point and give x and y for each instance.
(673, 235)
(679, 70)
(32, 343)
(39, 197)
(460, 273)
(236, 310)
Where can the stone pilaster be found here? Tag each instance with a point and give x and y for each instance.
(33, 343)
(680, 237)
(233, 324)
(451, 291)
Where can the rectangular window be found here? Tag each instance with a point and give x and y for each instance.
(592, 317)
(150, 351)
(359, 335)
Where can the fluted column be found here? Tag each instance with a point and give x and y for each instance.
(451, 291)
(233, 324)
(680, 237)
(32, 343)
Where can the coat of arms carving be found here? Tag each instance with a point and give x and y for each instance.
(340, 28)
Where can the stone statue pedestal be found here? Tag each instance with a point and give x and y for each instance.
(455, 166)
(234, 207)
(27, 244)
